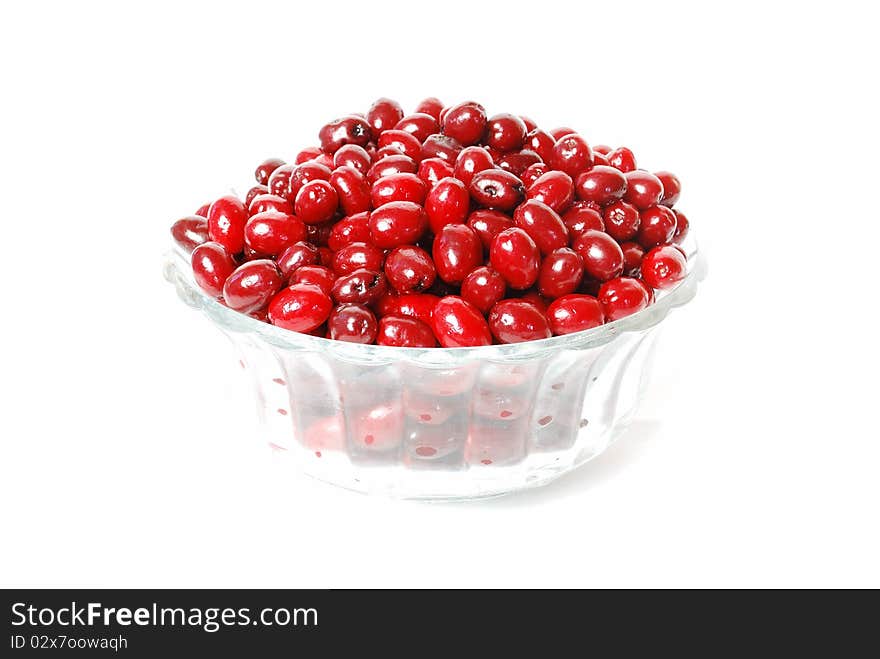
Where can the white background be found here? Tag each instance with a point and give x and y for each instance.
(127, 456)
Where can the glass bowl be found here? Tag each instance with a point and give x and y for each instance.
(442, 423)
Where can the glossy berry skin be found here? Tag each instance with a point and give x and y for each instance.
(383, 115)
(578, 219)
(457, 251)
(495, 188)
(402, 142)
(352, 155)
(360, 286)
(682, 226)
(346, 130)
(279, 181)
(189, 232)
(663, 267)
(561, 273)
(254, 192)
(296, 256)
(487, 224)
(533, 172)
(517, 162)
(560, 132)
(643, 189)
(671, 188)
(419, 125)
(465, 122)
(252, 285)
(441, 146)
(574, 313)
(351, 229)
(471, 161)
(632, 257)
(409, 269)
(398, 187)
(458, 324)
(269, 233)
(412, 305)
(542, 224)
(572, 155)
(309, 153)
(300, 308)
(397, 223)
(554, 189)
(304, 173)
(226, 219)
(317, 234)
(432, 106)
(393, 164)
(541, 142)
(264, 169)
(318, 275)
(514, 255)
(316, 202)
(622, 159)
(483, 288)
(211, 265)
(356, 256)
(202, 210)
(432, 170)
(354, 323)
(622, 220)
(352, 189)
(623, 297)
(269, 202)
(448, 202)
(505, 132)
(537, 300)
(515, 321)
(405, 332)
(656, 226)
(601, 184)
(602, 256)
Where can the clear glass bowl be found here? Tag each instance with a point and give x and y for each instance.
(439, 423)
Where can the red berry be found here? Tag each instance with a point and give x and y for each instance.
(578, 219)
(663, 267)
(643, 189)
(441, 146)
(465, 122)
(622, 297)
(397, 223)
(189, 232)
(602, 256)
(300, 308)
(402, 142)
(398, 187)
(536, 300)
(404, 332)
(226, 219)
(431, 170)
(601, 184)
(317, 234)
(574, 313)
(264, 169)
(318, 275)
(622, 159)
(409, 269)
(541, 142)
(558, 133)
(419, 125)
(516, 257)
(448, 202)
(354, 323)
(470, 161)
(211, 265)
(457, 251)
(355, 256)
(621, 220)
(309, 153)
(254, 192)
(346, 130)
(304, 173)
(533, 172)
(352, 155)
(352, 189)
(543, 225)
(252, 285)
(483, 287)
(572, 155)
(656, 226)
(394, 164)
(505, 132)
(360, 286)
(270, 232)
(561, 273)
(316, 202)
(517, 162)
(600, 159)
(383, 114)
(458, 324)
(412, 305)
(352, 229)
(487, 224)
(202, 210)
(671, 188)
(682, 226)
(515, 321)
(432, 106)
(604, 149)
(269, 202)
(632, 257)
(279, 181)
(554, 189)
(495, 188)
(296, 256)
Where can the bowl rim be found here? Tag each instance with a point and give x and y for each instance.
(177, 270)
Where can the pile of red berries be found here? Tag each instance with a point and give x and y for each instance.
(443, 226)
